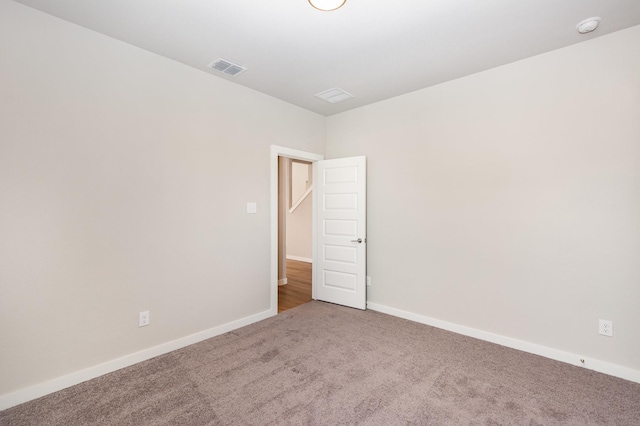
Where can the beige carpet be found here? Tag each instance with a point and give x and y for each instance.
(321, 364)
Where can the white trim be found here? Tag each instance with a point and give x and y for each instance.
(277, 151)
(314, 229)
(301, 199)
(36, 391)
(547, 352)
(299, 258)
(282, 282)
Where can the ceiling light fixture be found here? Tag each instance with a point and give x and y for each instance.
(327, 5)
(588, 25)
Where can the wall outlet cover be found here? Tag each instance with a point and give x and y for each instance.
(605, 327)
(144, 319)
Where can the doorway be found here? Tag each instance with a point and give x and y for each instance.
(300, 275)
(339, 237)
(295, 238)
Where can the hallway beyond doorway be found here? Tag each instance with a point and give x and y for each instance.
(298, 288)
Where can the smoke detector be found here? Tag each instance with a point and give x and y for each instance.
(227, 67)
(588, 25)
(334, 95)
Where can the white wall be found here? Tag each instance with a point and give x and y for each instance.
(300, 231)
(509, 201)
(120, 192)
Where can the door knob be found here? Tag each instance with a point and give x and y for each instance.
(359, 240)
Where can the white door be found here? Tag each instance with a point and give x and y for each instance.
(340, 222)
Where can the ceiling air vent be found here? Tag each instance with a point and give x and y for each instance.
(227, 67)
(334, 95)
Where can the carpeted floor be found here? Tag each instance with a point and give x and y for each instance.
(321, 364)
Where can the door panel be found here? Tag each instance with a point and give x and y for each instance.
(341, 254)
(340, 222)
(341, 228)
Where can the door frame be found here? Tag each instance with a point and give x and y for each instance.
(281, 151)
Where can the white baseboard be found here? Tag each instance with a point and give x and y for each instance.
(299, 259)
(569, 358)
(282, 282)
(36, 391)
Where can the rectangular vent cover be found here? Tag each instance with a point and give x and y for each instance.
(227, 67)
(334, 95)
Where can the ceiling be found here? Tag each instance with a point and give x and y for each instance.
(373, 49)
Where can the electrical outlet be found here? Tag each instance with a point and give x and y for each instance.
(606, 328)
(143, 319)
(368, 281)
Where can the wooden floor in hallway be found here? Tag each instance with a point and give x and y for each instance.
(298, 288)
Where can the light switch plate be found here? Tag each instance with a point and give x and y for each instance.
(252, 208)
